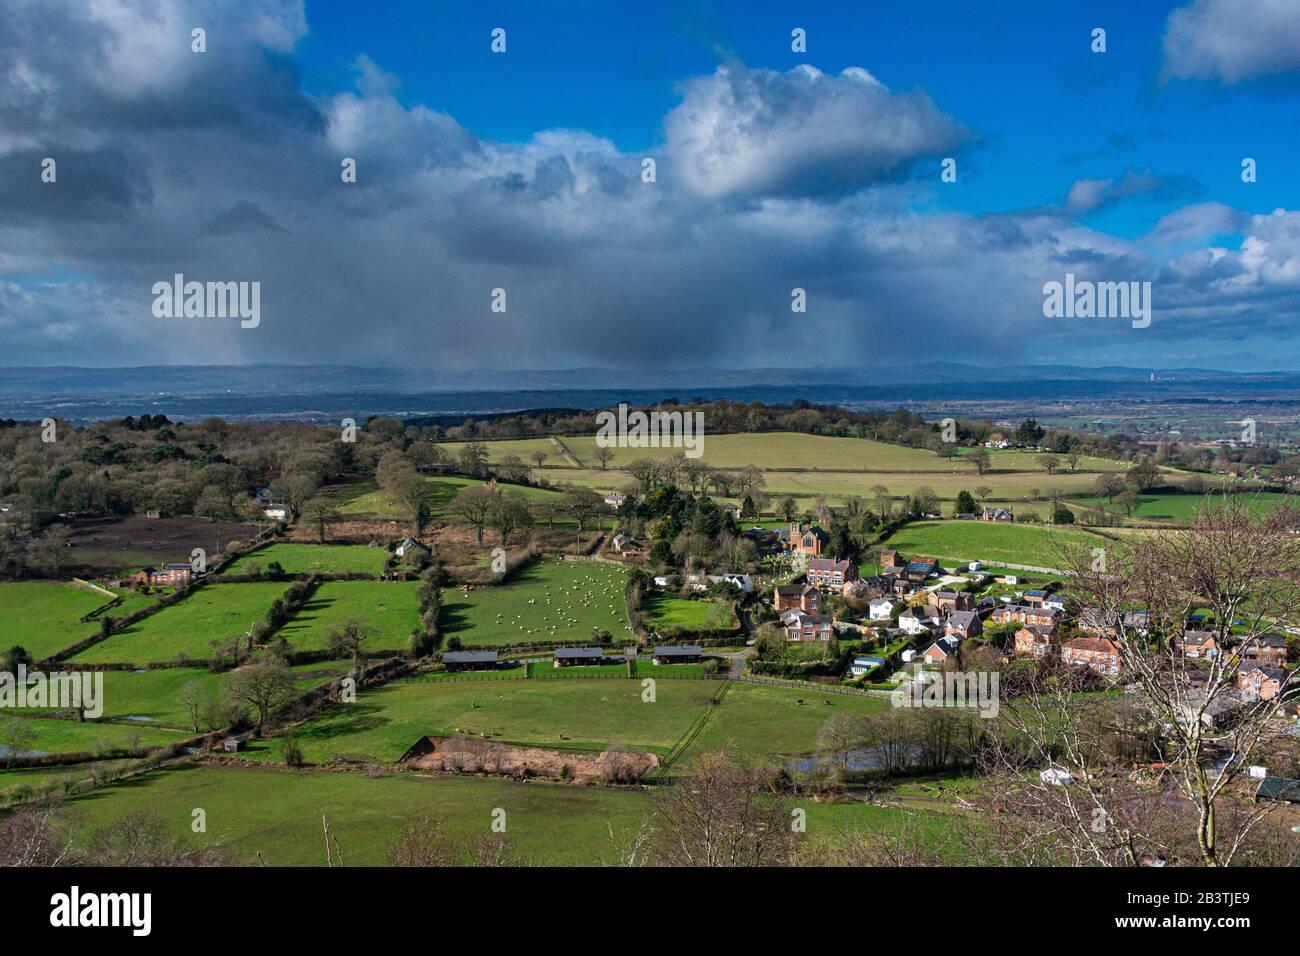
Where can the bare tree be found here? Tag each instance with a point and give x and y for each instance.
(261, 684)
(195, 698)
(1241, 573)
(719, 814)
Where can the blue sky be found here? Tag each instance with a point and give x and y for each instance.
(777, 170)
(1044, 110)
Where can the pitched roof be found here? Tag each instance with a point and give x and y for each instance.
(1278, 788)
(468, 657)
(1273, 673)
(828, 564)
(679, 650)
(567, 652)
(1097, 645)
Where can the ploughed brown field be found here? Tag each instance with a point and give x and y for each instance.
(111, 544)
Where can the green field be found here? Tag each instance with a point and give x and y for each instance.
(55, 735)
(765, 723)
(155, 695)
(571, 714)
(779, 451)
(1183, 508)
(213, 612)
(391, 608)
(42, 615)
(686, 614)
(570, 599)
(989, 542)
(365, 499)
(314, 558)
(277, 813)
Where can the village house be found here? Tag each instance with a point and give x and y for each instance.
(1139, 622)
(1092, 620)
(1043, 617)
(998, 514)
(470, 660)
(626, 549)
(1269, 648)
(903, 588)
(890, 562)
(678, 654)
(807, 538)
(938, 652)
(615, 501)
(963, 624)
(863, 588)
(1097, 653)
(1199, 644)
(947, 600)
(881, 609)
(169, 575)
(830, 574)
(802, 597)
(802, 626)
(1034, 641)
(1260, 681)
(578, 656)
(920, 619)
(409, 544)
(921, 569)
(1035, 598)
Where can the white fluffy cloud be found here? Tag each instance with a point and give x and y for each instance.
(1232, 41)
(754, 132)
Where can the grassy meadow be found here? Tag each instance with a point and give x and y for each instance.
(548, 601)
(213, 612)
(390, 608)
(314, 559)
(570, 714)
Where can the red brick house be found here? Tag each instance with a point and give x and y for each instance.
(890, 562)
(801, 597)
(1097, 653)
(830, 574)
(169, 575)
(953, 600)
(998, 514)
(1092, 620)
(1199, 644)
(1260, 681)
(1042, 617)
(1270, 648)
(802, 626)
(939, 652)
(1033, 641)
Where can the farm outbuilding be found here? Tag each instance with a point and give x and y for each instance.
(577, 656)
(678, 654)
(470, 660)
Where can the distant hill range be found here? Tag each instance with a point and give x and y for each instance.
(328, 392)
